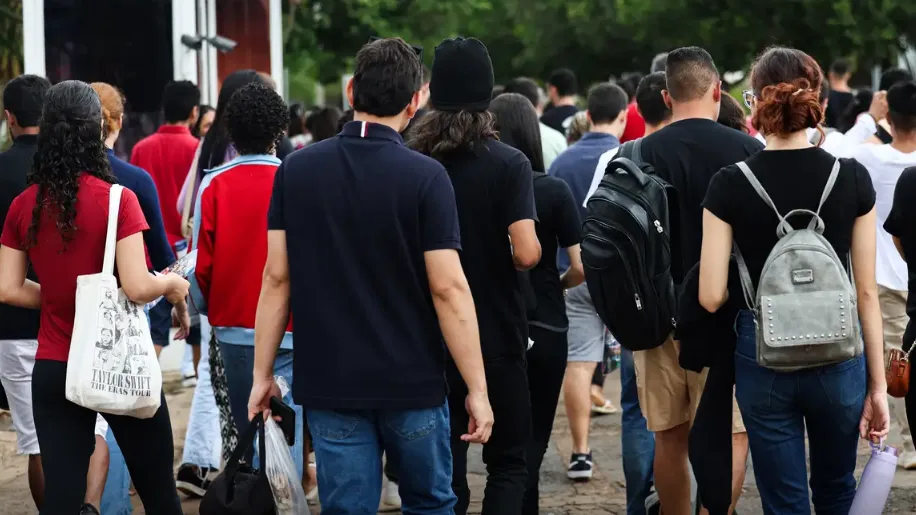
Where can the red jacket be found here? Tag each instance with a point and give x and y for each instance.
(231, 241)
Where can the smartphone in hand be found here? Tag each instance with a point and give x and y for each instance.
(287, 422)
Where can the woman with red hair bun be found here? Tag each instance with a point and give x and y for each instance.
(836, 403)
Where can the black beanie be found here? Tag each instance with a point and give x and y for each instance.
(901, 98)
(462, 76)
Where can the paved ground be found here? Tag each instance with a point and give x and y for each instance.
(604, 495)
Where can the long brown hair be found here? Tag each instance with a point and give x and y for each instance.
(440, 134)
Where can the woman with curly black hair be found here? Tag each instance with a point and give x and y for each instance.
(58, 226)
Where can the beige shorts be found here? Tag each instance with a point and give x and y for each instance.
(668, 394)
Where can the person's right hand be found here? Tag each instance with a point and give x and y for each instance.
(480, 418)
(181, 319)
(177, 289)
(878, 109)
(262, 389)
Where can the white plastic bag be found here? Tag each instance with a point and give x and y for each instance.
(289, 496)
(112, 365)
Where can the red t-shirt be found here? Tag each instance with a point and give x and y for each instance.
(167, 156)
(636, 126)
(57, 269)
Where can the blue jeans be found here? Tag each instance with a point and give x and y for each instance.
(777, 407)
(636, 441)
(348, 452)
(116, 497)
(239, 363)
(202, 442)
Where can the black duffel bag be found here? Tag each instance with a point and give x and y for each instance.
(241, 490)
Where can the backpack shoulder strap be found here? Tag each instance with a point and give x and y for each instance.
(632, 150)
(751, 178)
(747, 284)
(831, 180)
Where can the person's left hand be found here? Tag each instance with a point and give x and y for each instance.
(876, 419)
(261, 391)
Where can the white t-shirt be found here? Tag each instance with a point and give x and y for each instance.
(553, 144)
(839, 144)
(885, 164)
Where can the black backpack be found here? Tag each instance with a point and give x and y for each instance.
(626, 251)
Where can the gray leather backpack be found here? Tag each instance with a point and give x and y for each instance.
(805, 303)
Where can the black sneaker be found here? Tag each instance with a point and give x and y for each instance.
(580, 467)
(192, 480)
(88, 509)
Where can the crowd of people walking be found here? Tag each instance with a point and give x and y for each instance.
(429, 245)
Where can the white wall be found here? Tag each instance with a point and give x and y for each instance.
(184, 21)
(33, 30)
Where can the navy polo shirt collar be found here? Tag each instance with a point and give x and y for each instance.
(361, 129)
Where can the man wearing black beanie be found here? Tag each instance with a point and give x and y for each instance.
(493, 186)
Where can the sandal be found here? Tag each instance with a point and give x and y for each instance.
(606, 409)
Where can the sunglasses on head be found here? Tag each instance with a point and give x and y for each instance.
(417, 49)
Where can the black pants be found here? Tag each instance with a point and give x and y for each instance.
(66, 439)
(546, 363)
(504, 455)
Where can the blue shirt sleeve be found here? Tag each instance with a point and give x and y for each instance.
(160, 252)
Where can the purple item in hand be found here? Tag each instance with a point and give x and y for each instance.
(876, 481)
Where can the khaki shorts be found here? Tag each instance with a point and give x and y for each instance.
(668, 394)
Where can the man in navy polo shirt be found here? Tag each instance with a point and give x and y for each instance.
(363, 244)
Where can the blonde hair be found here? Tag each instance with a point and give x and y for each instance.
(112, 106)
(577, 127)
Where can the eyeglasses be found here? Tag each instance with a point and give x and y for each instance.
(749, 98)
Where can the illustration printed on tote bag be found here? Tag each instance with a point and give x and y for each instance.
(121, 363)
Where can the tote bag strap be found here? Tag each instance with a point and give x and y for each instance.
(189, 193)
(114, 204)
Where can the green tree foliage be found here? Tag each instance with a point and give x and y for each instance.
(596, 37)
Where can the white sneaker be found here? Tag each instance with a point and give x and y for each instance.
(391, 500)
(189, 381)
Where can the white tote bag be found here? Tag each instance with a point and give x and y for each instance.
(112, 367)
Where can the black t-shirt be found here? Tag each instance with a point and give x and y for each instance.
(901, 223)
(687, 154)
(558, 227)
(493, 190)
(555, 117)
(15, 163)
(836, 106)
(794, 179)
(359, 211)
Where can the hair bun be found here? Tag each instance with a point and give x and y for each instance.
(788, 107)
